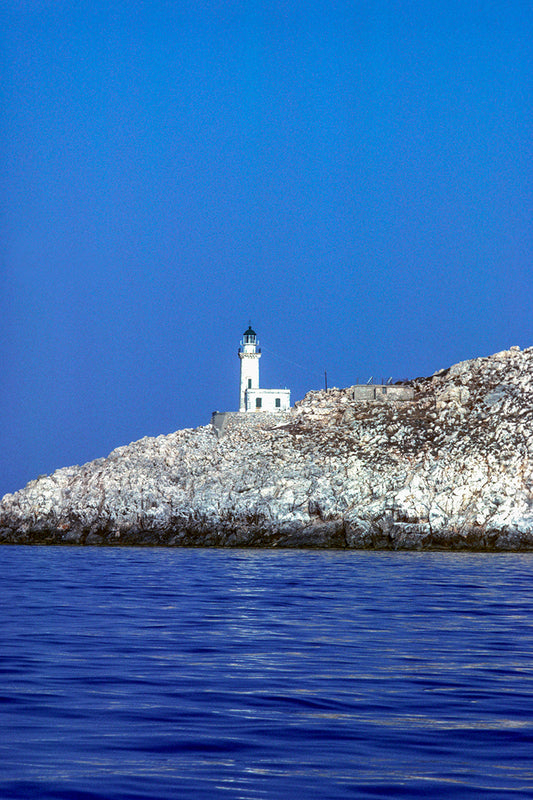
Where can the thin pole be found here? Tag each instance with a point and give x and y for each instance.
(326, 380)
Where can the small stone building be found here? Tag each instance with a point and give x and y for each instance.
(384, 392)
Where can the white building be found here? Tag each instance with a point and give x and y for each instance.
(252, 398)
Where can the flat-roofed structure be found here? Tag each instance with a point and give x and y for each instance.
(384, 392)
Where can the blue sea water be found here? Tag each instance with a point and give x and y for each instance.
(166, 673)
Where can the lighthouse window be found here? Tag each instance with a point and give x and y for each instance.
(249, 383)
(258, 402)
(278, 402)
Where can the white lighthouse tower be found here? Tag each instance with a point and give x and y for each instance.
(249, 354)
(252, 398)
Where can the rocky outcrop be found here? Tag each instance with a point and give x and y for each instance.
(449, 469)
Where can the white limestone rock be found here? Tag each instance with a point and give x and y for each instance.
(451, 468)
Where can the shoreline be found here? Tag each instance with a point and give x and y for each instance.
(448, 468)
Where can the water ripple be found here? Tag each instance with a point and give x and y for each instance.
(137, 673)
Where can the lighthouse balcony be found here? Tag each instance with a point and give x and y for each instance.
(246, 348)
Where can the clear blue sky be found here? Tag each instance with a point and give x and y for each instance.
(352, 177)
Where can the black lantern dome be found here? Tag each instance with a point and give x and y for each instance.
(249, 336)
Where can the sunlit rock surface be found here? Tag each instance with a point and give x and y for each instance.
(449, 469)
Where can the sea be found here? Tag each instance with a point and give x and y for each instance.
(135, 673)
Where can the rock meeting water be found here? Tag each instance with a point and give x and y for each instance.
(163, 673)
(442, 463)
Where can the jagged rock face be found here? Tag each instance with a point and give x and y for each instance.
(449, 469)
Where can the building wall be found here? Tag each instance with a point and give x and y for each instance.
(249, 374)
(267, 398)
(385, 393)
(227, 421)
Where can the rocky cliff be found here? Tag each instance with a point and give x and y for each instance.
(450, 468)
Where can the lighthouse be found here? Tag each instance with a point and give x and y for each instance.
(252, 397)
(249, 354)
